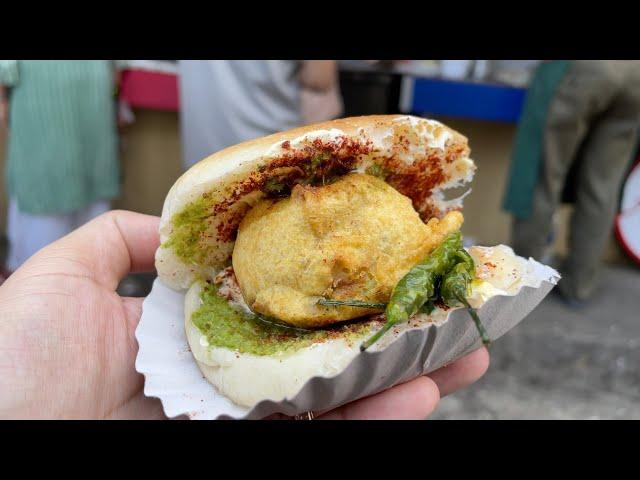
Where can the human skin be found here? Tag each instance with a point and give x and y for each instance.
(319, 75)
(67, 343)
(4, 109)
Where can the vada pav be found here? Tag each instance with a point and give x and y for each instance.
(299, 248)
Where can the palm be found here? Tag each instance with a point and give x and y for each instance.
(73, 338)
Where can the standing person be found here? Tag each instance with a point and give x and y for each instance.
(576, 111)
(224, 102)
(62, 158)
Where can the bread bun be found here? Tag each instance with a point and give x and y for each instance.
(247, 379)
(418, 157)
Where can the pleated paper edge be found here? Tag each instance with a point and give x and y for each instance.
(178, 402)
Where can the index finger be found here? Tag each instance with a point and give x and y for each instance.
(414, 400)
(106, 248)
(462, 372)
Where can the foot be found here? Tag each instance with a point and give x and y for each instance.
(570, 301)
(574, 303)
(552, 260)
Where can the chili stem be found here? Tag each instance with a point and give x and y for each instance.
(350, 303)
(486, 341)
(276, 323)
(373, 339)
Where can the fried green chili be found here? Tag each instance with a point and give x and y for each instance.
(467, 260)
(428, 307)
(455, 287)
(419, 285)
(445, 274)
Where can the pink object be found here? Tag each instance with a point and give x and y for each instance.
(146, 89)
(627, 224)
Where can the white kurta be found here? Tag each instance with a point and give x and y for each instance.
(224, 102)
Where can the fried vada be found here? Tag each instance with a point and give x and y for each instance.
(352, 239)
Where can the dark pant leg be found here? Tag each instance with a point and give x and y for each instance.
(530, 237)
(605, 158)
(566, 127)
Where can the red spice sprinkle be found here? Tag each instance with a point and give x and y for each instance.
(416, 180)
(343, 152)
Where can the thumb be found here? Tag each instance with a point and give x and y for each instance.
(105, 249)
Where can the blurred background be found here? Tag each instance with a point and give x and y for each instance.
(555, 143)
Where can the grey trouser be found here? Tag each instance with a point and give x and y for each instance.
(595, 113)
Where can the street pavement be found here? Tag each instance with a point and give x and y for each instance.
(564, 364)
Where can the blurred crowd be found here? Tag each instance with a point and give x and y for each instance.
(578, 132)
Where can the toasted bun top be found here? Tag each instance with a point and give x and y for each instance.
(418, 157)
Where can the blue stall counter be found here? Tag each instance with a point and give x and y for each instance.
(465, 99)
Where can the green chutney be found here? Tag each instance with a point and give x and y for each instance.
(227, 327)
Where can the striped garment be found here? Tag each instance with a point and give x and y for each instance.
(62, 150)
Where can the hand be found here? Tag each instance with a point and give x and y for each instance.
(67, 344)
(319, 75)
(125, 115)
(4, 114)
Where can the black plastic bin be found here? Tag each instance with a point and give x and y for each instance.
(369, 93)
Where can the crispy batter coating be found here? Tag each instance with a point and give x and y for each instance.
(353, 239)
